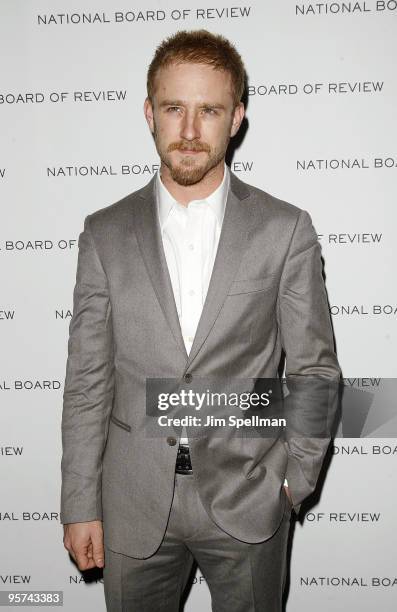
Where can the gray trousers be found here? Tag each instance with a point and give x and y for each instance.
(241, 577)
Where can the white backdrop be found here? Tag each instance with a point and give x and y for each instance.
(322, 134)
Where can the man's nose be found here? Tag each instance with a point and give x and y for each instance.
(190, 128)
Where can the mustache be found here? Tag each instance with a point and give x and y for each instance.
(192, 146)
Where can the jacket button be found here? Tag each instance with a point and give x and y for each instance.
(188, 377)
(171, 441)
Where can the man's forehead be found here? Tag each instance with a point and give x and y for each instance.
(187, 69)
(166, 87)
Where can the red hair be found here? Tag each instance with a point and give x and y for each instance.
(199, 47)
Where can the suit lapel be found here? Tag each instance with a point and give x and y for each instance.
(238, 220)
(148, 233)
(232, 244)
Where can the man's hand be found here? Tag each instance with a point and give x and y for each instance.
(84, 541)
(286, 489)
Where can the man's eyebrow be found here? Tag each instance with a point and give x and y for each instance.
(182, 103)
(172, 103)
(209, 105)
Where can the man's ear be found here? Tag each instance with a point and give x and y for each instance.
(148, 112)
(238, 116)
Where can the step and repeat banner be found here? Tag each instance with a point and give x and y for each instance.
(321, 134)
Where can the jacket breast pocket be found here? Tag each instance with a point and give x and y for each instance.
(251, 285)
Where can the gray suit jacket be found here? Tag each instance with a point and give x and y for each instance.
(266, 293)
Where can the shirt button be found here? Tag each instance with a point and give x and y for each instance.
(191, 292)
(191, 247)
(171, 441)
(190, 338)
(188, 377)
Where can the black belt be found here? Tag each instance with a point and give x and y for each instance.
(183, 463)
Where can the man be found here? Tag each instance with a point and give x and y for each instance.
(195, 275)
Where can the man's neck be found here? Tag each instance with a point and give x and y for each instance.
(199, 191)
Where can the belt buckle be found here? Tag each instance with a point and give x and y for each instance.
(183, 462)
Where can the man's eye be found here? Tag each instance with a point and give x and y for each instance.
(172, 108)
(210, 111)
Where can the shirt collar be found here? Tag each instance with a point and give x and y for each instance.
(216, 200)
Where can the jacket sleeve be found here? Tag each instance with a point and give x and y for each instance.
(88, 390)
(312, 369)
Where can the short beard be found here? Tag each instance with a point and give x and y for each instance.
(188, 172)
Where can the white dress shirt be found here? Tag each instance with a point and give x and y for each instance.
(190, 236)
(190, 239)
